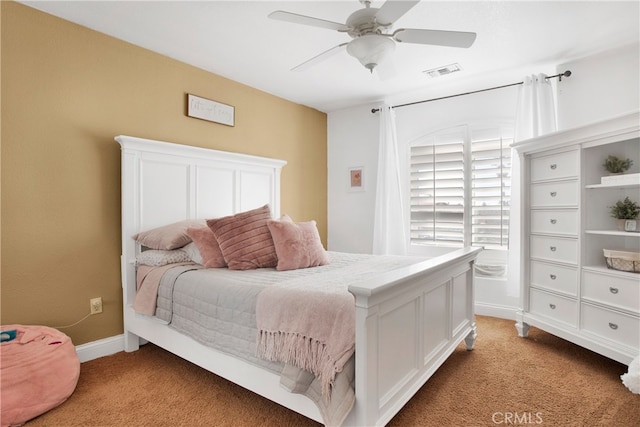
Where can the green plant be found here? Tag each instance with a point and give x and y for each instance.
(625, 209)
(615, 164)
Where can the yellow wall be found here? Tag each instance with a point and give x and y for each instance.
(66, 92)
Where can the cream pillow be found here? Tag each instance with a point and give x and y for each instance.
(156, 257)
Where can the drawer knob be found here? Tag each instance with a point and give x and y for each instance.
(553, 248)
(553, 194)
(553, 221)
(613, 290)
(553, 276)
(553, 307)
(553, 166)
(613, 326)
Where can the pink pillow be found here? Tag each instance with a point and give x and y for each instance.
(297, 245)
(208, 247)
(245, 240)
(168, 237)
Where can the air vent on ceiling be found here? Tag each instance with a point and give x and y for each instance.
(442, 71)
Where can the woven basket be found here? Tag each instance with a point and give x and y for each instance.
(623, 261)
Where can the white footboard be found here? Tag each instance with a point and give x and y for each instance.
(407, 323)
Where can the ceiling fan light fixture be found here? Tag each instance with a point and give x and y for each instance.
(371, 49)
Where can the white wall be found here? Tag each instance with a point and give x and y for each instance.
(352, 136)
(602, 86)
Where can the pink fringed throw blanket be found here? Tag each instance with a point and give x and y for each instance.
(148, 281)
(311, 329)
(308, 321)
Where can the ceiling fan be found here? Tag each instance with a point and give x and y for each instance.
(367, 27)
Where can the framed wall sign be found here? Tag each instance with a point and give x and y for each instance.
(206, 109)
(356, 178)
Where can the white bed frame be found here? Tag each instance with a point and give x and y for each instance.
(407, 321)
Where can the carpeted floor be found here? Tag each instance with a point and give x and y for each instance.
(506, 380)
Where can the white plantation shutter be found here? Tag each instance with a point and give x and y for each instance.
(490, 188)
(456, 202)
(437, 192)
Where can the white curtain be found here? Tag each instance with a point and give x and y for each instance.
(535, 116)
(389, 236)
(535, 113)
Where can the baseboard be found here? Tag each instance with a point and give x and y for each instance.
(499, 311)
(100, 348)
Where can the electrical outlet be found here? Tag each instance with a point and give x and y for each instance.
(96, 305)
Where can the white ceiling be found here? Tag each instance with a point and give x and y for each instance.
(235, 39)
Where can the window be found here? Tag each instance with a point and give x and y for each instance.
(460, 188)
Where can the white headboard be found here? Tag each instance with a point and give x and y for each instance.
(164, 183)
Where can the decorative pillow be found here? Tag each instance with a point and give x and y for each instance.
(298, 245)
(157, 257)
(245, 240)
(167, 237)
(205, 241)
(193, 253)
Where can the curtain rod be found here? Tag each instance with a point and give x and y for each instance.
(559, 76)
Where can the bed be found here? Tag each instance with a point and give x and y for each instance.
(407, 320)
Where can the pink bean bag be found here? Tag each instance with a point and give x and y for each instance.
(39, 370)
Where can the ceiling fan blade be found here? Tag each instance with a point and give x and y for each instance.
(281, 15)
(319, 58)
(392, 10)
(435, 37)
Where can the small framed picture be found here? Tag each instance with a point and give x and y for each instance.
(630, 225)
(356, 178)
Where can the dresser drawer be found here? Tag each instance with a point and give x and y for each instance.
(553, 306)
(554, 166)
(554, 249)
(559, 222)
(555, 277)
(551, 194)
(611, 290)
(611, 325)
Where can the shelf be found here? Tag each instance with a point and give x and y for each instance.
(609, 186)
(613, 233)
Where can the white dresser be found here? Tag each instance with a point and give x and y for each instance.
(567, 289)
